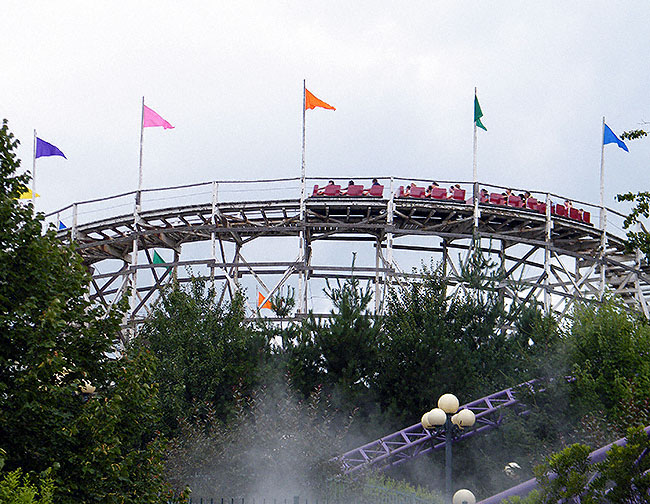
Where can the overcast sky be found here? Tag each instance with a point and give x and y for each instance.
(229, 76)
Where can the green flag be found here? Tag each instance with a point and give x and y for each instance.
(478, 113)
(159, 260)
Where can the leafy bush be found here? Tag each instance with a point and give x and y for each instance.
(15, 488)
(276, 446)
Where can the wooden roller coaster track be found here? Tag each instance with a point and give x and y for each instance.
(551, 259)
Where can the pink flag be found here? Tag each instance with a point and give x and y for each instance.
(151, 118)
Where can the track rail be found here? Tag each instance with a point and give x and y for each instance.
(415, 440)
(526, 487)
(112, 238)
(544, 258)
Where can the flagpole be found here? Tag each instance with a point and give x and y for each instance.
(303, 276)
(475, 144)
(475, 174)
(141, 141)
(602, 177)
(302, 173)
(136, 220)
(34, 176)
(603, 215)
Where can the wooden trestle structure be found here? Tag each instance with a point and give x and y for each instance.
(553, 260)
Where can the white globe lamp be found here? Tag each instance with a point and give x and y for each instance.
(434, 418)
(448, 403)
(463, 496)
(465, 418)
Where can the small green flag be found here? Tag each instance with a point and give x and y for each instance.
(159, 260)
(478, 113)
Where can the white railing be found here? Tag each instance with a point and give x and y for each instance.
(93, 210)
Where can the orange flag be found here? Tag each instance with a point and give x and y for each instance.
(312, 102)
(260, 298)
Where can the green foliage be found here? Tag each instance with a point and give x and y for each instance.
(374, 487)
(415, 347)
(565, 474)
(639, 239)
(623, 475)
(429, 343)
(375, 480)
(13, 185)
(52, 342)
(282, 303)
(604, 352)
(119, 453)
(438, 344)
(622, 478)
(204, 350)
(276, 446)
(51, 338)
(339, 352)
(543, 344)
(16, 488)
(608, 354)
(633, 134)
(303, 359)
(44, 353)
(533, 497)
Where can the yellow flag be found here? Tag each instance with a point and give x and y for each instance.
(28, 195)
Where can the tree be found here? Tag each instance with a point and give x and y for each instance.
(607, 353)
(118, 452)
(53, 343)
(633, 134)
(623, 476)
(51, 339)
(602, 352)
(432, 344)
(639, 239)
(282, 304)
(569, 476)
(339, 352)
(636, 239)
(204, 350)
(15, 488)
(277, 446)
(565, 475)
(470, 345)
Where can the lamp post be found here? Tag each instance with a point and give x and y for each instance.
(447, 415)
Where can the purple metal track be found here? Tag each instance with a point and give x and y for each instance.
(526, 487)
(415, 440)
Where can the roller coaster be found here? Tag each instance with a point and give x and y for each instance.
(265, 235)
(271, 234)
(413, 441)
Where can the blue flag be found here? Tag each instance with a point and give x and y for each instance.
(610, 137)
(62, 226)
(47, 149)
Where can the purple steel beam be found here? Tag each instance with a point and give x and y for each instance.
(526, 487)
(415, 440)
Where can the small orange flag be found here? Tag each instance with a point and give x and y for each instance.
(260, 298)
(312, 102)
